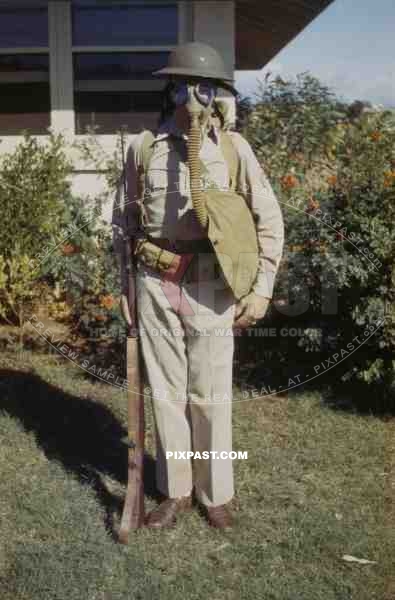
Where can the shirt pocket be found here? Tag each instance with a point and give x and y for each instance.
(168, 180)
(156, 180)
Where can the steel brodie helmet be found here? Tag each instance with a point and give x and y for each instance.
(198, 60)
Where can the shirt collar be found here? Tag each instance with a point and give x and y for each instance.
(169, 127)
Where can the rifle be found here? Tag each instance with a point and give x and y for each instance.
(133, 509)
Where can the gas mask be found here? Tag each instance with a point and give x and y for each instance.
(198, 99)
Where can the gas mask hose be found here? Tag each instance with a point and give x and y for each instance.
(198, 200)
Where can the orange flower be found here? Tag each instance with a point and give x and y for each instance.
(332, 180)
(375, 136)
(107, 301)
(289, 181)
(68, 249)
(313, 205)
(101, 318)
(389, 178)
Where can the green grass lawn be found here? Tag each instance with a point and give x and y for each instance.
(316, 486)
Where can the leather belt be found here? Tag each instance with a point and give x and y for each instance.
(202, 245)
(187, 266)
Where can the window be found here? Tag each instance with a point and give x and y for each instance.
(102, 54)
(117, 65)
(121, 24)
(113, 62)
(116, 89)
(110, 111)
(23, 27)
(24, 71)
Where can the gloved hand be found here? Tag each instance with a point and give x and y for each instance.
(250, 309)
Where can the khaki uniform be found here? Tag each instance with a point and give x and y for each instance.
(186, 328)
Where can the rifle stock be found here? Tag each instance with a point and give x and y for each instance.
(133, 509)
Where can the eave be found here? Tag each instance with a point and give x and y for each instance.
(264, 27)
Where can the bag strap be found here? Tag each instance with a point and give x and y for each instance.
(228, 148)
(232, 159)
(231, 156)
(229, 151)
(145, 155)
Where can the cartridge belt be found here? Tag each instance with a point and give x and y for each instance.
(178, 261)
(183, 246)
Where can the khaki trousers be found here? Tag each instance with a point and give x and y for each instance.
(187, 344)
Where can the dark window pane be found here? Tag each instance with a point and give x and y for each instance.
(118, 24)
(23, 67)
(138, 65)
(24, 106)
(24, 94)
(26, 27)
(109, 110)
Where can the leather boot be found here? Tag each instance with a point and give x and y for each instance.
(219, 517)
(164, 515)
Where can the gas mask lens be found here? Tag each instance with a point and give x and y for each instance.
(204, 92)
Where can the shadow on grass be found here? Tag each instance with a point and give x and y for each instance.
(274, 364)
(376, 399)
(106, 354)
(82, 434)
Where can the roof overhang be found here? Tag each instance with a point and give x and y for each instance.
(264, 27)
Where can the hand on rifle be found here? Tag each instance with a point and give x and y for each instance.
(125, 312)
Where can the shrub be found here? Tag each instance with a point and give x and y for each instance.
(332, 166)
(84, 266)
(33, 189)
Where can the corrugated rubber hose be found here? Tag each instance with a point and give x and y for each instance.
(198, 200)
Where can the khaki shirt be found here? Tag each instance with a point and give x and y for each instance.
(168, 211)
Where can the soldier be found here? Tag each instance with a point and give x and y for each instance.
(186, 310)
